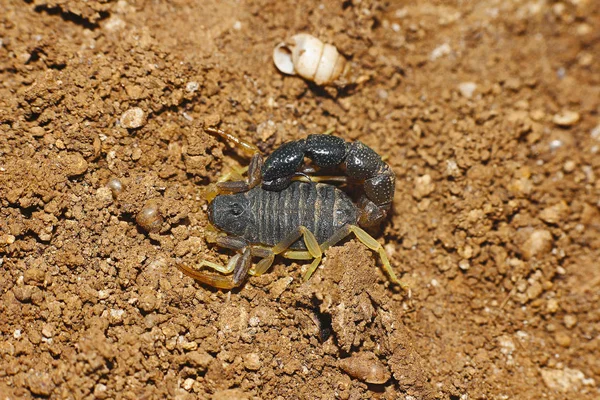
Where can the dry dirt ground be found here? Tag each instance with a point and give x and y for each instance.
(487, 111)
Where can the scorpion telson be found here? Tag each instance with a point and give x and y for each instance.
(271, 213)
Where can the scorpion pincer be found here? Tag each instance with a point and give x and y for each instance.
(272, 213)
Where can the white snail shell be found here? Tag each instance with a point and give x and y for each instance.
(307, 56)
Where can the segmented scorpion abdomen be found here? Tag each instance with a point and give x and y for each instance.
(268, 217)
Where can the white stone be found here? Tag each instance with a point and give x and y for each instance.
(191, 87)
(566, 118)
(188, 383)
(555, 144)
(133, 118)
(440, 51)
(565, 380)
(596, 133)
(467, 89)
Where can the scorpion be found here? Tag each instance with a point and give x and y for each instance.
(280, 210)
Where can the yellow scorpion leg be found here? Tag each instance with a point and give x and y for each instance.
(246, 147)
(371, 243)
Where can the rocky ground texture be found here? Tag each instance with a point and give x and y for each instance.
(487, 111)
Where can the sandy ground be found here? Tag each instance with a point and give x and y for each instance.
(488, 112)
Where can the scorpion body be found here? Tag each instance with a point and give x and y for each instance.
(268, 217)
(271, 213)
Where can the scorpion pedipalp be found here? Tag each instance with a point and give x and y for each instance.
(359, 161)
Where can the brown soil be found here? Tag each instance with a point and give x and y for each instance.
(488, 112)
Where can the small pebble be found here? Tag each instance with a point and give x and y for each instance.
(7, 239)
(212, 120)
(555, 214)
(595, 133)
(585, 59)
(467, 89)
(37, 131)
(189, 346)
(103, 294)
(538, 243)
(423, 186)
(40, 383)
(34, 275)
(252, 362)
(279, 286)
(46, 234)
(566, 118)
(147, 302)
(188, 383)
(464, 265)
(133, 118)
(563, 339)
(254, 321)
(555, 144)
(452, 169)
(191, 87)
(100, 391)
(466, 251)
(104, 196)
(149, 217)
(569, 166)
(534, 291)
(565, 380)
(440, 51)
(366, 367)
(552, 306)
(570, 321)
(198, 359)
(115, 186)
(522, 184)
(116, 316)
(75, 164)
(537, 115)
(23, 293)
(47, 331)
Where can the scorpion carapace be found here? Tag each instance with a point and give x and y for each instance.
(271, 213)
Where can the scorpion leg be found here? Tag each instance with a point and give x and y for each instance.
(254, 178)
(267, 256)
(246, 147)
(218, 281)
(239, 264)
(368, 241)
(314, 250)
(297, 255)
(225, 186)
(263, 265)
